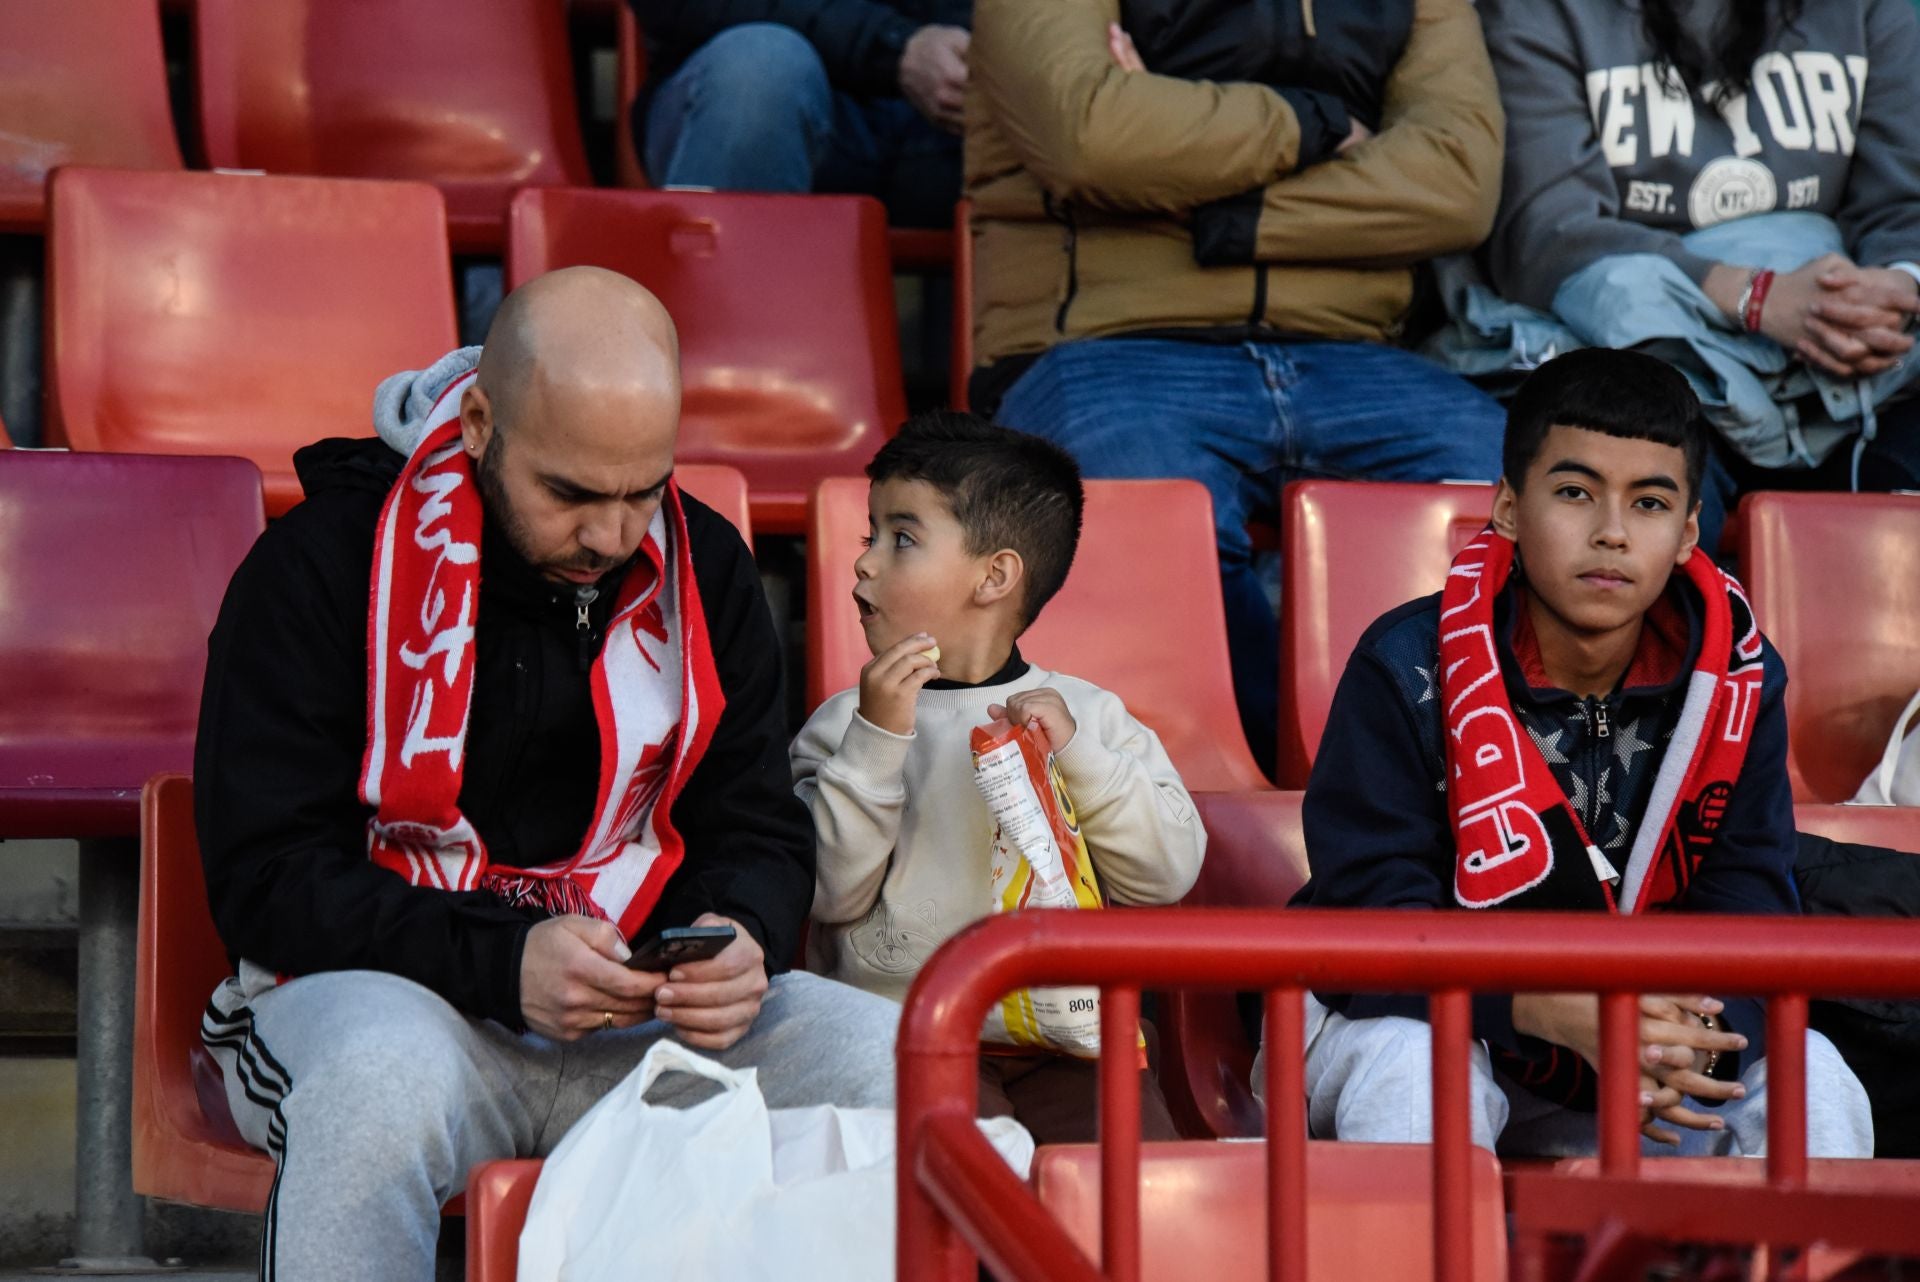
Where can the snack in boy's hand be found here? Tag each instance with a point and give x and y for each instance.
(932, 652)
(1039, 861)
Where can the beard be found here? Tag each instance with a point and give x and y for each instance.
(493, 497)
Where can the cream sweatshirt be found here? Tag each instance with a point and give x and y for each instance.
(905, 841)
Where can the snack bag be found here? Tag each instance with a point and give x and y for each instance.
(1039, 861)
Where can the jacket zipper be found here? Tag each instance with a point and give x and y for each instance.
(583, 623)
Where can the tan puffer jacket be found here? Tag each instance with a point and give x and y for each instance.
(1098, 192)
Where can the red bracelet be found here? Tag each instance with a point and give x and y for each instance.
(1756, 299)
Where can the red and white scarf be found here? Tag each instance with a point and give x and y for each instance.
(656, 698)
(1518, 842)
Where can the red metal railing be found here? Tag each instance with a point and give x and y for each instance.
(957, 1197)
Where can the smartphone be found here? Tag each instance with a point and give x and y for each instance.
(679, 944)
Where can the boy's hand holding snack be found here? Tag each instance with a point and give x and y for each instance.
(1043, 705)
(891, 680)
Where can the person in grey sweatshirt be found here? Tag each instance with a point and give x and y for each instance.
(1633, 126)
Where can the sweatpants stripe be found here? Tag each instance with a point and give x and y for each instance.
(265, 1081)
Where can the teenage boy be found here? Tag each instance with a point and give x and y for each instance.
(1586, 718)
(971, 530)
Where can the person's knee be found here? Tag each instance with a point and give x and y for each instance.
(765, 72)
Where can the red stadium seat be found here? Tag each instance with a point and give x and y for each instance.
(185, 1145)
(200, 313)
(1256, 858)
(1139, 615)
(82, 82)
(497, 1197)
(1894, 827)
(789, 350)
(1351, 551)
(961, 366)
(103, 684)
(111, 572)
(1835, 584)
(908, 248)
(1203, 1205)
(721, 488)
(474, 96)
(630, 56)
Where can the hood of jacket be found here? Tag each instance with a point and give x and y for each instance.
(401, 406)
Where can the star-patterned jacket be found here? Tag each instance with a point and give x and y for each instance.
(1377, 829)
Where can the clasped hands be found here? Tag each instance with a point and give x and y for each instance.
(1674, 1047)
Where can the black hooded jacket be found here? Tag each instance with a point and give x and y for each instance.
(283, 728)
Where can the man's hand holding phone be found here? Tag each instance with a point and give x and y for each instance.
(711, 1004)
(574, 980)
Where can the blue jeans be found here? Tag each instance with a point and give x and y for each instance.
(1243, 419)
(752, 110)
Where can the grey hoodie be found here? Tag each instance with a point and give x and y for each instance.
(1603, 159)
(403, 401)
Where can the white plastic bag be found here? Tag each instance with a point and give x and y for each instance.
(725, 1190)
(1896, 780)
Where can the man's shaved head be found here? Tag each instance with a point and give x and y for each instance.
(573, 417)
(579, 330)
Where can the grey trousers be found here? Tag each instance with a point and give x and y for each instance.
(1371, 1080)
(375, 1098)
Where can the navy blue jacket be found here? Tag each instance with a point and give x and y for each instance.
(1378, 832)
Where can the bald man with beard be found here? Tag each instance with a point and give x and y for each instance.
(495, 705)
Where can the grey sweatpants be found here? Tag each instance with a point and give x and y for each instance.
(1371, 1080)
(376, 1097)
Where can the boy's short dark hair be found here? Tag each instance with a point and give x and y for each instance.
(1007, 490)
(1621, 393)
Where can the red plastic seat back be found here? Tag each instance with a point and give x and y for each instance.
(789, 350)
(1894, 827)
(721, 488)
(185, 1145)
(1256, 858)
(475, 96)
(200, 313)
(630, 73)
(498, 1194)
(1140, 615)
(1351, 551)
(82, 82)
(1835, 584)
(1203, 1205)
(112, 569)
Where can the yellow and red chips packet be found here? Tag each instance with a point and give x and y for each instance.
(1040, 860)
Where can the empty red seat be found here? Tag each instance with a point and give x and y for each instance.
(474, 96)
(1351, 551)
(196, 313)
(1140, 615)
(1835, 584)
(113, 569)
(789, 351)
(1256, 858)
(82, 82)
(721, 488)
(1203, 1209)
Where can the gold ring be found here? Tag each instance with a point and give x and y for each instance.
(606, 1017)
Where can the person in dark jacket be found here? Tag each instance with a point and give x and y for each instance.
(437, 818)
(860, 96)
(1587, 719)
